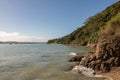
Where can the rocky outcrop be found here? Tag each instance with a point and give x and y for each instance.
(107, 55)
(107, 42)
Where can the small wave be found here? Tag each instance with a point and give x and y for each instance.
(84, 70)
(73, 54)
(89, 72)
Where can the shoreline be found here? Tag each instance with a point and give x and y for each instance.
(114, 73)
(88, 72)
(79, 69)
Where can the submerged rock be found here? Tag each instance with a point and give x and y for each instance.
(70, 66)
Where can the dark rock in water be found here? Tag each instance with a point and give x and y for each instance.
(77, 58)
(70, 66)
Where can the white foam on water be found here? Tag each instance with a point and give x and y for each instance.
(84, 70)
(89, 72)
(73, 54)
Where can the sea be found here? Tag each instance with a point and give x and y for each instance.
(39, 62)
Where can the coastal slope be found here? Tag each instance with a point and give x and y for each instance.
(106, 59)
(88, 34)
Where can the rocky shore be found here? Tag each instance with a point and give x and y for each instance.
(105, 60)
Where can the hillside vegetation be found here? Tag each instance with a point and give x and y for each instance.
(105, 22)
(107, 54)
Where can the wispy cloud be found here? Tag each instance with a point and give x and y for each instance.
(15, 36)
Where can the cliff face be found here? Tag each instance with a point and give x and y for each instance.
(88, 34)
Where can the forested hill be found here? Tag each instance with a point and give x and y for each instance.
(89, 32)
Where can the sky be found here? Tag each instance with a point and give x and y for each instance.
(41, 20)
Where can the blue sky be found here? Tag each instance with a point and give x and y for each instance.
(46, 19)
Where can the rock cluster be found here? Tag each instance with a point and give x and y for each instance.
(107, 55)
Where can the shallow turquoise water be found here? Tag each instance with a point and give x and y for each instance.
(38, 62)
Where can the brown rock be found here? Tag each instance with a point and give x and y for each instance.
(85, 62)
(92, 57)
(104, 67)
(111, 60)
(92, 64)
(97, 67)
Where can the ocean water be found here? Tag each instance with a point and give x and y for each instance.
(38, 62)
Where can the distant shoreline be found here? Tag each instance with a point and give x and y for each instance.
(12, 42)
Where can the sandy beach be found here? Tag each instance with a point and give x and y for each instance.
(114, 73)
